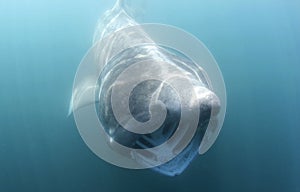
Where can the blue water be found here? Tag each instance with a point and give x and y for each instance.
(256, 43)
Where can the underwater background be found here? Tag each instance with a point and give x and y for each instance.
(256, 44)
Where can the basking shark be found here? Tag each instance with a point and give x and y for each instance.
(158, 99)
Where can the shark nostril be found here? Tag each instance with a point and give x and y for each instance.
(213, 102)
